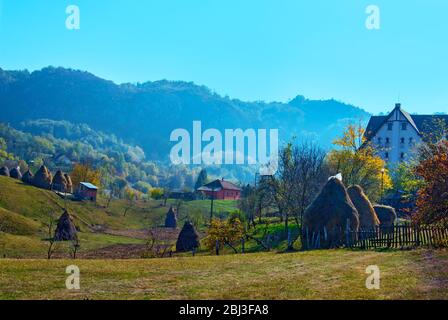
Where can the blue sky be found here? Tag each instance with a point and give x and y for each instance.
(267, 50)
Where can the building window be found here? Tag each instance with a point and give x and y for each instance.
(380, 140)
(404, 126)
(411, 140)
(402, 140)
(390, 125)
(402, 155)
(387, 140)
(386, 155)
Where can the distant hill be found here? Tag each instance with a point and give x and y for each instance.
(145, 114)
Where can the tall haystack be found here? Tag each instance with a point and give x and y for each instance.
(15, 173)
(329, 213)
(171, 219)
(188, 238)
(367, 216)
(28, 177)
(4, 171)
(69, 183)
(386, 215)
(66, 230)
(42, 178)
(59, 182)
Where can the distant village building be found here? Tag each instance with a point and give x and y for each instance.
(86, 191)
(221, 190)
(396, 135)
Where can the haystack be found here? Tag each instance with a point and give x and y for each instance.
(15, 173)
(367, 216)
(28, 177)
(43, 178)
(329, 213)
(386, 215)
(59, 182)
(171, 219)
(4, 171)
(188, 238)
(69, 183)
(66, 230)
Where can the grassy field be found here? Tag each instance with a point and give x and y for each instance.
(327, 274)
(24, 211)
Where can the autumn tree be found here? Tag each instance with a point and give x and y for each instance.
(432, 201)
(356, 160)
(85, 173)
(224, 232)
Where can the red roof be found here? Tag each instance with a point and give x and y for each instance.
(218, 185)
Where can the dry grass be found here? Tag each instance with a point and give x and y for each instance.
(327, 274)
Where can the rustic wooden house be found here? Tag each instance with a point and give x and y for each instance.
(221, 190)
(86, 191)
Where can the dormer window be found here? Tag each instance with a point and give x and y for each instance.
(390, 126)
(404, 126)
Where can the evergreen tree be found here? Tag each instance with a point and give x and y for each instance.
(202, 179)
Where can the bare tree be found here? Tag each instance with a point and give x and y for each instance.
(50, 224)
(74, 247)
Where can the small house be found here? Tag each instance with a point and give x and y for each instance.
(86, 191)
(221, 190)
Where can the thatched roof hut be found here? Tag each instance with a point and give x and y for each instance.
(366, 212)
(4, 171)
(188, 238)
(69, 183)
(386, 215)
(15, 173)
(66, 230)
(328, 215)
(171, 219)
(59, 182)
(28, 177)
(43, 178)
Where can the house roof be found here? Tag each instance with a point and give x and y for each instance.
(88, 185)
(218, 185)
(421, 123)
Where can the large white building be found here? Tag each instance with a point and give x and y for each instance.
(396, 135)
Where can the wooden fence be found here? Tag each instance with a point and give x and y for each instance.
(403, 236)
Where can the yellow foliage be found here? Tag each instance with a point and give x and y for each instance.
(85, 173)
(357, 162)
(226, 232)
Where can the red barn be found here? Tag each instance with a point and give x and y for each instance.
(221, 190)
(86, 191)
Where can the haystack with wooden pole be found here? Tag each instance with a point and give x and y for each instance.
(188, 239)
(367, 216)
(43, 178)
(386, 215)
(171, 219)
(15, 173)
(28, 177)
(4, 171)
(330, 216)
(59, 182)
(65, 230)
(69, 183)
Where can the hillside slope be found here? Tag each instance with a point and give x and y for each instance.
(145, 114)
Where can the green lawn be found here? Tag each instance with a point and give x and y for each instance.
(326, 274)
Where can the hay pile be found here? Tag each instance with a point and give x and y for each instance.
(59, 182)
(15, 173)
(329, 213)
(28, 177)
(69, 183)
(386, 215)
(66, 230)
(171, 219)
(188, 238)
(4, 171)
(367, 216)
(43, 178)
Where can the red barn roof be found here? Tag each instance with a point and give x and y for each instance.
(218, 185)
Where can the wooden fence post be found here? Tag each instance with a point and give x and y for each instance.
(217, 247)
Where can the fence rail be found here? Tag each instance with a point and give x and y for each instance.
(403, 236)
